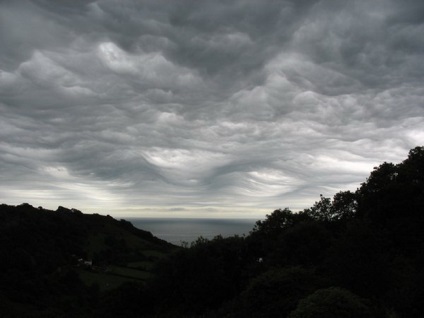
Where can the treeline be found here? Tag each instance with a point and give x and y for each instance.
(358, 254)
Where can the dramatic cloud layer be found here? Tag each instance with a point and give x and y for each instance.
(204, 107)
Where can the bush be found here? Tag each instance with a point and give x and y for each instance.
(331, 302)
(276, 292)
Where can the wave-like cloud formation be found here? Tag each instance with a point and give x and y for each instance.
(204, 108)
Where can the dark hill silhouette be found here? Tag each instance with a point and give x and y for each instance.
(47, 256)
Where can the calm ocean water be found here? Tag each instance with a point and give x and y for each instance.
(177, 230)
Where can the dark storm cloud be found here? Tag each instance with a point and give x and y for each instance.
(204, 106)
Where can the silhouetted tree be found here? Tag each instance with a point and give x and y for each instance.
(276, 292)
(332, 303)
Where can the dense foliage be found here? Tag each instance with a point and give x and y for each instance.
(359, 254)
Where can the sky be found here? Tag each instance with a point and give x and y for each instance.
(185, 108)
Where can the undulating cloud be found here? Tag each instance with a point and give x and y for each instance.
(187, 108)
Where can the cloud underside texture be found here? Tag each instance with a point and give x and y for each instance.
(204, 105)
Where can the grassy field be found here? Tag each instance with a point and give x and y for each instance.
(112, 276)
(129, 272)
(103, 280)
(141, 265)
(119, 256)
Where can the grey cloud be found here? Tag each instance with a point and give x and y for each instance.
(201, 106)
(25, 27)
(363, 41)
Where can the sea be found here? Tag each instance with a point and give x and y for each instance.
(181, 231)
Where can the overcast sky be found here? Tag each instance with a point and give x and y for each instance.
(204, 108)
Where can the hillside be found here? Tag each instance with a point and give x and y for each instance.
(48, 256)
